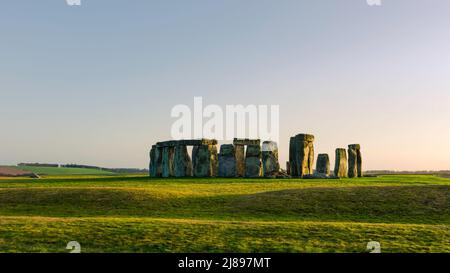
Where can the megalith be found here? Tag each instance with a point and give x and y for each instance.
(155, 161)
(340, 167)
(270, 163)
(323, 164)
(354, 161)
(301, 155)
(205, 160)
(168, 161)
(227, 161)
(182, 162)
(253, 161)
(239, 151)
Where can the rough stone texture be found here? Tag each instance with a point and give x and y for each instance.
(340, 167)
(227, 161)
(246, 141)
(152, 164)
(288, 168)
(301, 155)
(205, 160)
(182, 162)
(167, 161)
(155, 161)
(323, 164)
(354, 161)
(240, 160)
(271, 166)
(187, 142)
(253, 161)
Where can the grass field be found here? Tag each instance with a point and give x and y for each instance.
(63, 171)
(140, 214)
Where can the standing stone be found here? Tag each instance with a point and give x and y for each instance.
(271, 166)
(253, 161)
(323, 164)
(240, 160)
(168, 161)
(205, 160)
(155, 161)
(354, 161)
(288, 168)
(227, 161)
(182, 162)
(301, 155)
(340, 167)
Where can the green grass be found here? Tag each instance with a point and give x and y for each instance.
(63, 171)
(139, 214)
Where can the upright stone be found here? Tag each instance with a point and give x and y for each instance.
(340, 167)
(301, 155)
(168, 161)
(288, 168)
(253, 161)
(323, 164)
(240, 160)
(227, 161)
(271, 166)
(182, 162)
(354, 161)
(205, 160)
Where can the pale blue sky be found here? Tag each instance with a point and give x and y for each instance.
(95, 84)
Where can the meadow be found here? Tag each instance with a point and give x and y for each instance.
(405, 213)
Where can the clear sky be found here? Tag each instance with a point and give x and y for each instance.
(95, 84)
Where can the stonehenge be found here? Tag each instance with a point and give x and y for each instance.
(301, 155)
(323, 164)
(205, 160)
(227, 161)
(270, 163)
(171, 158)
(253, 166)
(354, 161)
(247, 158)
(340, 167)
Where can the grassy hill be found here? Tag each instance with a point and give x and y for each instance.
(63, 171)
(405, 213)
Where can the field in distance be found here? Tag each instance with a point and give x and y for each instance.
(405, 213)
(52, 171)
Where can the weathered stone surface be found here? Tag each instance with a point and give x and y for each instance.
(187, 142)
(288, 168)
(182, 162)
(246, 141)
(155, 161)
(253, 161)
(323, 164)
(271, 166)
(354, 161)
(240, 160)
(301, 155)
(340, 167)
(168, 161)
(227, 161)
(205, 160)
